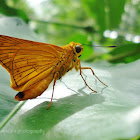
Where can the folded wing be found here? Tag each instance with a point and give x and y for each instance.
(28, 62)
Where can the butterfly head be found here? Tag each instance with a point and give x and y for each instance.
(77, 47)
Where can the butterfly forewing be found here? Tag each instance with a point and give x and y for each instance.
(28, 62)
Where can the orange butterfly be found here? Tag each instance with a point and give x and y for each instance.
(33, 65)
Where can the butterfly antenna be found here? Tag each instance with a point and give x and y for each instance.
(99, 46)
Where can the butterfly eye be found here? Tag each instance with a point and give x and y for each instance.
(78, 48)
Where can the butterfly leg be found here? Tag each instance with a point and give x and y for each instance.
(86, 82)
(94, 74)
(55, 77)
(77, 67)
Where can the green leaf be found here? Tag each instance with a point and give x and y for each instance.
(7, 103)
(106, 13)
(115, 9)
(125, 53)
(97, 11)
(9, 11)
(111, 114)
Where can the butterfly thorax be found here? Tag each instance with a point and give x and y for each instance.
(68, 60)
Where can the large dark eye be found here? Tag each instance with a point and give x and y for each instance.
(78, 48)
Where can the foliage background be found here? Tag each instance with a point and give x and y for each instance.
(92, 22)
(96, 22)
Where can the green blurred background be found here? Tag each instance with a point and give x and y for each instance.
(96, 22)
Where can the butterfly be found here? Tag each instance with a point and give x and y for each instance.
(34, 65)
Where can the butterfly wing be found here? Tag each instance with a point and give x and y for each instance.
(28, 62)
